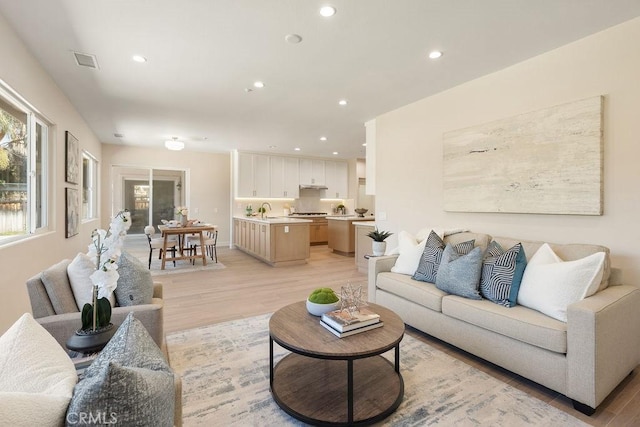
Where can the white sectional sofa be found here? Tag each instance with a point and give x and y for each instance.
(584, 358)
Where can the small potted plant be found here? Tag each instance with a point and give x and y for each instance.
(379, 245)
(322, 300)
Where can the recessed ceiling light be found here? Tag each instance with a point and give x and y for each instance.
(174, 144)
(258, 84)
(293, 38)
(435, 54)
(139, 58)
(342, 102)
(297, 149)
(323, 138)
(364, 144)
(327, 11)
(335, 153)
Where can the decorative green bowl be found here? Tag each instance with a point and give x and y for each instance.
(319, 309)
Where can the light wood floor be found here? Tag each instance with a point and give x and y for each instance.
(248, 287)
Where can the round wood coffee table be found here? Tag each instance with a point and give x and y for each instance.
(334, 381)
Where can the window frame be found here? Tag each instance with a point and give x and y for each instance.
(39, 181)
(92, 186)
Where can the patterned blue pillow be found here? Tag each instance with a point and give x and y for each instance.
(502, 273)
(460, 274)
(431, 256)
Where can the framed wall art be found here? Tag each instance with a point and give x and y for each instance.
(72, 159)
(545, 162)
(72, 212)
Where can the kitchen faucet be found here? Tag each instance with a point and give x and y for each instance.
(263, 210)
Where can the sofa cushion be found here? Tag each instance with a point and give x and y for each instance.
(130, 378)
(550, 284)
(480, 239)
(36, 376)
(568, 252)
(80, 270)
(422, 293)
(427, 269)
(56, 282)
(460, 274)
(502, 273)
(519, 322)
(135, 284)
(409, 250)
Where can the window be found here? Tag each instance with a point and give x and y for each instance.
(23, 167)
(89, 186)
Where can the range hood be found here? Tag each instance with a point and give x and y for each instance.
(313, 187)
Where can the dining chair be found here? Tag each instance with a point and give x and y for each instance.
(158, 243)
(211, 238)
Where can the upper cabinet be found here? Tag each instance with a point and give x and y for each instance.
(312, 172)
(279, 177)
(253, 175)
(337, 180)
(285, 177)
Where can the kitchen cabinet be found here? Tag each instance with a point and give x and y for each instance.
(342, 234)
(319, 231)
(363, 244)
(284, 177)
(277, 242)
(312, 172)
(337, 180)
(253, 175)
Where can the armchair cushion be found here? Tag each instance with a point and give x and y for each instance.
(130, 378)
(36, 376)
(79, 271)
(135, 284)
(56, 282)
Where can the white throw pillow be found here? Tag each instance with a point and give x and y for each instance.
(410, 251)
(79, 271)
(549, 285)
(36, 376)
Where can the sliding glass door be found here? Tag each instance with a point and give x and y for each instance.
(151, 195)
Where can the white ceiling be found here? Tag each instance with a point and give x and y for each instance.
(202, 54)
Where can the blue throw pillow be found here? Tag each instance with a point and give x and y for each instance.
(502, 273)
(460, 274)
(427, 270)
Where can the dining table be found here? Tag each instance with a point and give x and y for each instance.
(181, 231)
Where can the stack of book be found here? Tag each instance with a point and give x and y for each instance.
(342, 323)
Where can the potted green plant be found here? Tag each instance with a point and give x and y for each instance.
(379, 245)
(322, 300)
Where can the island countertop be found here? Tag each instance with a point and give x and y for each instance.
(272, 220)
(350, 218)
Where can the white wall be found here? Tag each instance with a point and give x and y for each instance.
(409, 145)
(26, 258)
(208, 183)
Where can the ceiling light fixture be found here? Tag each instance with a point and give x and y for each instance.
(343, 102)
(335, 153)
(364, 144)
(258, 84)
(323, 138)
(297, 149)
(139, 58)
(327, 11)
(174, 144)
(435, 54)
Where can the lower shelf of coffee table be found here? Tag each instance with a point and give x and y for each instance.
(315, 390)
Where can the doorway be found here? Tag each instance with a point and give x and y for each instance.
(151, 195)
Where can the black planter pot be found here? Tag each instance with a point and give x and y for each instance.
(90, 341)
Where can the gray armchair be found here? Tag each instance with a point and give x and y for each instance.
(54, 306)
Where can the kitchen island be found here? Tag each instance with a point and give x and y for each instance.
(342, 233)
(277, 241)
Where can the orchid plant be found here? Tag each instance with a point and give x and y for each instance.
(105, 249)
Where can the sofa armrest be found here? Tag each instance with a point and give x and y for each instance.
(378, 265)
(603, 342)
(157, 290)
(62, 326)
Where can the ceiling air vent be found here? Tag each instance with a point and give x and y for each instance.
(86, 60)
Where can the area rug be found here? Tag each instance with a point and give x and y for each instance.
(225, 374)
(138, 246)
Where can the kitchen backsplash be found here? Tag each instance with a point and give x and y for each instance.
(309, 201)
